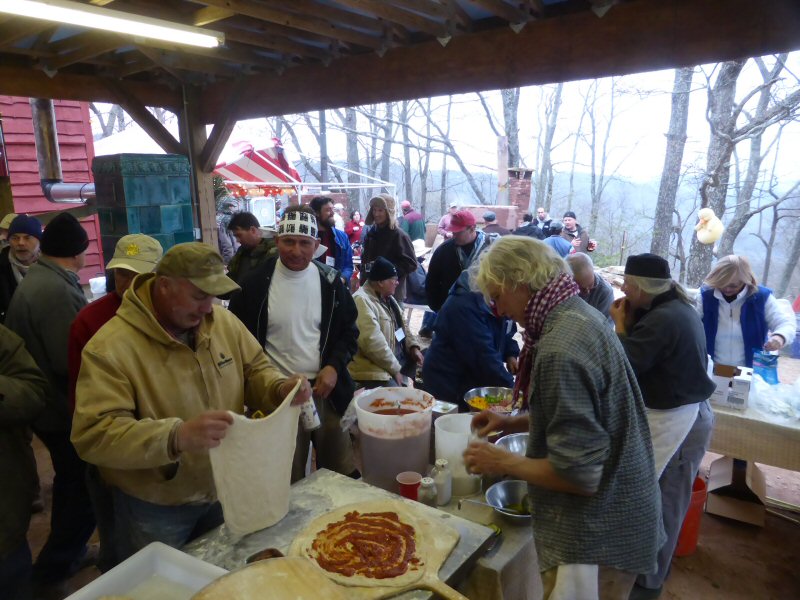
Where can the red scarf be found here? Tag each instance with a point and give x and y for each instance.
(560, 288)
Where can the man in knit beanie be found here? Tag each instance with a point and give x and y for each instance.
(41, 311)
(24, 233)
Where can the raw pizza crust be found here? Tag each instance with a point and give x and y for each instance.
(253, 468)
(302, 544)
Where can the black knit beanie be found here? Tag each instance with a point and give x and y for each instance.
(64, 237)
(381, 270)
(647, 265)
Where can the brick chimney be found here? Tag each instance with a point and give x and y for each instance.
(519, 189)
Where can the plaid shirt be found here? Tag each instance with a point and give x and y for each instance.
(587, 417)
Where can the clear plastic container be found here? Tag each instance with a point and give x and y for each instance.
(394, 433)
(453, 435)
(427, 492)
(443, 479)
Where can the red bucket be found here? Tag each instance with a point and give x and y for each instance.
(687, 540)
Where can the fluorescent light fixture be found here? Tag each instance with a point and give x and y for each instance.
(95, 17)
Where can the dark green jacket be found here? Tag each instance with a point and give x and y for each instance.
(41, 313)
(247, 259)
(22, 392)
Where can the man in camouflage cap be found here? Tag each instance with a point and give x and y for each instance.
(154, 391)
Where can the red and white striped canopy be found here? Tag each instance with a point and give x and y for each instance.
(268, 165)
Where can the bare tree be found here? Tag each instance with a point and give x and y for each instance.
(597, 141)
(722, 114)
(113, 120)
(544, 176)
(744, 193)
(792, 262)
(670, 176)
(407, 181)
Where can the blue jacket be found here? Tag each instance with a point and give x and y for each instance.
(559, 244)
(469, 347)
(753, 319)
(343, 254)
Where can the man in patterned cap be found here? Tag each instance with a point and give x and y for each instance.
(305, 319)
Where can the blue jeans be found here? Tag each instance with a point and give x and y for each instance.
(72, 519)
(103, 504)
(15, 574)
(138, 523)
(676, 490)
(428, 320)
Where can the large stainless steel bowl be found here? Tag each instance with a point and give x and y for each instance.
(510, 492)
(514, 442)
(504, 392)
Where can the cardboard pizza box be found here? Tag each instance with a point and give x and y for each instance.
(737, 490)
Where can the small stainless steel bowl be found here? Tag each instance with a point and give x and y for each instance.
(511, 491)
(504, 392)
(514, 442)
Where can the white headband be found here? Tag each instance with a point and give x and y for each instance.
(298, 223)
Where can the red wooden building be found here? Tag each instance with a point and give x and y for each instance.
(76, 146)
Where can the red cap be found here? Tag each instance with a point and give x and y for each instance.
(460, 221)
(405, 204)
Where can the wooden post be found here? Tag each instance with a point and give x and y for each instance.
(193, 136)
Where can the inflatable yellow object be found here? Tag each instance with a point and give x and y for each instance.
(709, 228)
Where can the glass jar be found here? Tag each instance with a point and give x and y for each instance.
(427, 492)
(443, 478)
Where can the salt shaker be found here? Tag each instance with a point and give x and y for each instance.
(443, 478)
(427, 492)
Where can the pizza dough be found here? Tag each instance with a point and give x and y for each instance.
(253, 468)
(353, 537)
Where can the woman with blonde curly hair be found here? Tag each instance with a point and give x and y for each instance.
(740, 316)
(589, 462)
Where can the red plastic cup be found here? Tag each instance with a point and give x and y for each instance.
(409, 484)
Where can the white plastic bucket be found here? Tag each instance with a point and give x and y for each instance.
(452, 438)
(391, 444)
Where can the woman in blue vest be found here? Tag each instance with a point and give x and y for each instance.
(740, 316)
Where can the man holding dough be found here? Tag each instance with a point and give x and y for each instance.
(154, 391)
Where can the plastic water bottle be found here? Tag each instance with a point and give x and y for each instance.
(443, 478)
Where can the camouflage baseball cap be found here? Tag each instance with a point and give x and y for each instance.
(136, 252)
(199, 263)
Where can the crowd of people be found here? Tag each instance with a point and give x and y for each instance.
(130, 392)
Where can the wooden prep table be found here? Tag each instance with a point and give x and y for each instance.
(317, 494)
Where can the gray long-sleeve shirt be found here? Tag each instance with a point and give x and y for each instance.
(588, 419)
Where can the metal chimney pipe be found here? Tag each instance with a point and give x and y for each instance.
(49, 157)
(46, 136)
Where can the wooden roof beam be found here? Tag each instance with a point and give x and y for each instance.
(18, 29)
(139, 113)
(312, 24)
(276, 43)
(173, 63)
(392, 14)
(505, 11)
(434, 10)
(18, 80)
(634, 37)
(81, 54)
(222, 128)
(210, 14)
